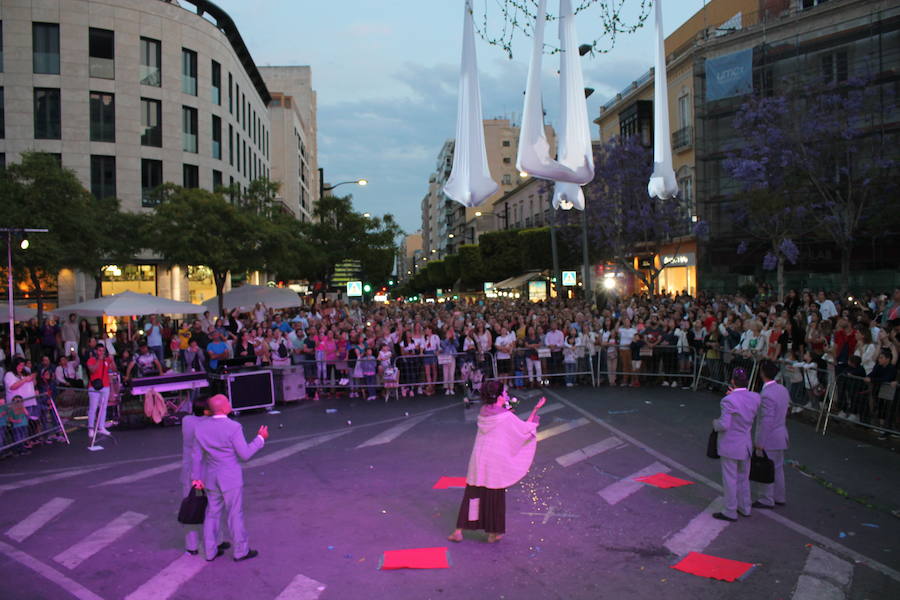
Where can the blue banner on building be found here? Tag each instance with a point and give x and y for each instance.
(729, 75)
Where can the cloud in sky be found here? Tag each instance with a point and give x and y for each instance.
(386, 76)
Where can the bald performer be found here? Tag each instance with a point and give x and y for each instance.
(218, 443)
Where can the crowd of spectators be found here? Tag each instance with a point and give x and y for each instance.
(430, 348)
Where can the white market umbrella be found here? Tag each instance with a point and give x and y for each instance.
(248, 295)
(22, 313)
(127, 304)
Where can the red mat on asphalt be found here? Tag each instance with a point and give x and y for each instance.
(664, 481)
(449, 482)
(416, 558)
(713, 567)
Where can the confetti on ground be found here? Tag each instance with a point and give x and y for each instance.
(449, 482)
(416, 558)
(713, 567)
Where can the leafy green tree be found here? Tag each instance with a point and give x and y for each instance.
(38, 193)
(471, 266)
(452, 263)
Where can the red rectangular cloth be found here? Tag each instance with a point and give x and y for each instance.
(713, 567)
(416, 558)
(664, 481)
(449, 482)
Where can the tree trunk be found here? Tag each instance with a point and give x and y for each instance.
(36, 282)
(98, 284)
(846, 251)
(780, 278)
(219, 279)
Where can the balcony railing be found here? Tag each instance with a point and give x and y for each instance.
(683, 138)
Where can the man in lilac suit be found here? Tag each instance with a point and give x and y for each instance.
(735, 445)
(771, 433)
(218, 445)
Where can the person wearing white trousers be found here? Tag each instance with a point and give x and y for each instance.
(99, 366)
(772, 434)
(735, 445)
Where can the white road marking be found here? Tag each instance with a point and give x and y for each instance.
(771, 514)
(98, 540)
(301, 587)
(813, 588)
(165, 583)
(48, 572)
(550, 514)
(46, 478)
(38, 518)
(558, 429)
(699, 532)
(549, 408)
(389, 435)
(567, 460)
(618, 491)
(268, 459)
(146, 473)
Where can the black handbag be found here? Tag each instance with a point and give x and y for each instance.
(193, 507)
(762, 469)
(712, 446)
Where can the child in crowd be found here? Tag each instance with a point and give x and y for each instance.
(368, 366)
(570, 361)
(793, 378)
(814, 390)
(636, 344)
(519, 367)
(17, 415)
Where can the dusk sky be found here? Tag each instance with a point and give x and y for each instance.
(386, 76)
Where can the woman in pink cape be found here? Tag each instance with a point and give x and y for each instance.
(503, 452)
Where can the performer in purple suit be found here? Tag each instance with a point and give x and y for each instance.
(735, 445)
(771, 433)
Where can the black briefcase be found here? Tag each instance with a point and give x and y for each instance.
(712, 446)
(762, 469)
(193, 507)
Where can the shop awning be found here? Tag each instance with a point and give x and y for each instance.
(516, 282)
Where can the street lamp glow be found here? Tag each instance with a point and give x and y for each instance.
(433, 250)
(451, 236)
(523, 174)
(24, 245)
(478, 213)
(565, 204)
(609, 283)
(366, 215)
(362, 182)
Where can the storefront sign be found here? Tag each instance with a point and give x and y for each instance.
(729, 75)
(354, 288)
(537, 291)
(688, 259)
(645, 262)
(569, 278)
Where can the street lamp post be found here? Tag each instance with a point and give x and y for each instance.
(10, 231)
(327, 188)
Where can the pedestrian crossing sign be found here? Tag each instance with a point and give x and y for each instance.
(354, 288)
(569, 278)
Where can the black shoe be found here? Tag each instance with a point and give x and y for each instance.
(759, 504)
(743, 515)
(219, 552)
(723, 517)
(224, 546)
(248, 556)
(779, 504)
(193, 552)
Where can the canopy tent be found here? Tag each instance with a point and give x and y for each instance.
(22, 313)
(516, 282)
(127, 304)
(248, 295)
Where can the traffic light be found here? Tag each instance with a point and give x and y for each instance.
(391, 282)
(367, 288)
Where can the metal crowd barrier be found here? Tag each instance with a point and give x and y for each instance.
(618, 365)
(870, 404)
(716, 366)
(21, 429)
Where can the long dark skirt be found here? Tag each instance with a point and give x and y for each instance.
(489, 510)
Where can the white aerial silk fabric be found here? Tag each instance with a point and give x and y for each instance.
(470, 181)
(662, 181)
(575, 163)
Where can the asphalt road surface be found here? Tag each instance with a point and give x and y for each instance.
(331, 492)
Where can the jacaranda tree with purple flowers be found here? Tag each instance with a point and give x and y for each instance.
(816, 155)
(622, 221)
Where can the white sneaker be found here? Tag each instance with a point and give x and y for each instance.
(796, 409)
(842, 415)
(853, 418)
(421, 391)
(104, 431)
(90, 433)
(570, 385)
(665, 383)
(808, 406)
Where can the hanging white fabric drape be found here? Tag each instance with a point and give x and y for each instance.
(575, 163)
(662, 182)
(470, 181)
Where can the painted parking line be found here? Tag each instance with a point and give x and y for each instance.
(825, 577)
(98, 540)
(165, 583)
(618, 491)
(558, 429)
(699, 532)
(389, 435)
(49, 573)
(301, 587)
(145, 474)
(38, 518)
(575, 457)
(770, 514)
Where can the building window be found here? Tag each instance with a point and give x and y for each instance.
(45, 47)
(103, 176)
(151, 178)
(216, 76)
(103, 117)
(684, 110)
(189, 129)
(507, 179)
(834, 67)
(151, 122)
(151, 62)
(2, 160)
(507, 160)
(506, 143)
(191, 176)
(1, 46)
(46, 114)
(2, 115)
(101, 49)
(188, 71)
(686, 186)
(230, 98)
(216, 137)
(230, 145)
(217, 179)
